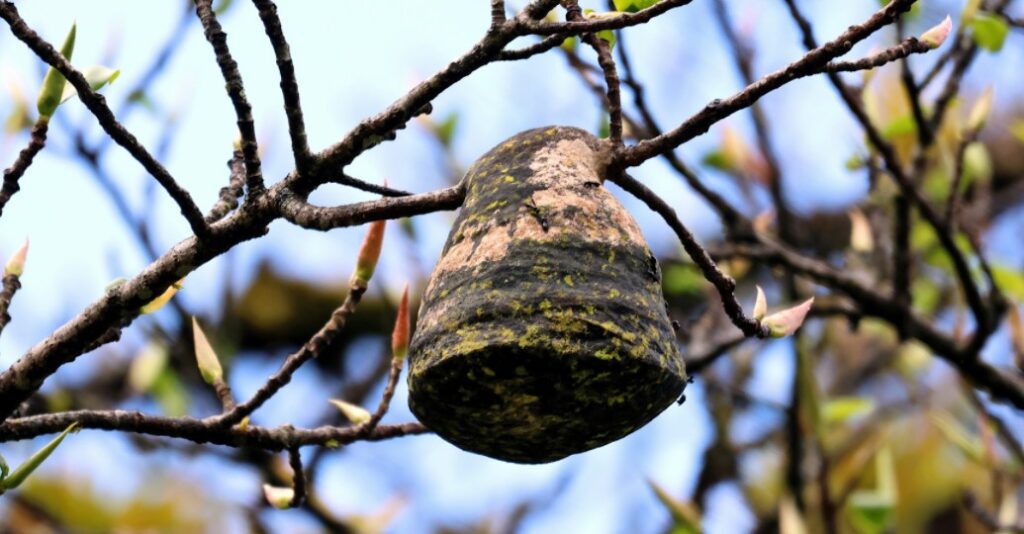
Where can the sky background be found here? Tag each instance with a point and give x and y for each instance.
(352, 59)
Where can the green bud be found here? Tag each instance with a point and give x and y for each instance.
(206, 357)
(53, 82)
(356, 414)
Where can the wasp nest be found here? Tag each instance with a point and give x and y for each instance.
(543, 329)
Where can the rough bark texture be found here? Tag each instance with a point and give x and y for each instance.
(543, 331)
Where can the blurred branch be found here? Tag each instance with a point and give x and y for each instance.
(298, 477)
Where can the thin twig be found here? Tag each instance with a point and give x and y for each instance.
(313, 217)
(811, 63)
(313, 348)
(12, 174)
(394, 372)
(198, 430)
(298, 477)
(289, 85)
(97, 105)
(227, 199)
(236, 92)
(11, 285)
(724, 284)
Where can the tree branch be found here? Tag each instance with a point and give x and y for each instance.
(97, 105)
(236, 92)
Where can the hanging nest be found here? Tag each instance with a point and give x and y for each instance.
(543, 330)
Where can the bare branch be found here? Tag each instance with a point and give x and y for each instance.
(97, 105)
(198, 431)
(306, 215)
(236, 92)
(812, 63)
(14, 173)
(723, 284)
(289, 85)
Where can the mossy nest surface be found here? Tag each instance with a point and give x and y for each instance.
(543, 329)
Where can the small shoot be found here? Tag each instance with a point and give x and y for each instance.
(54, 82)
(369, 253)
(781, 323)
(165, 297)
(206, 357)
(400, 335)
(760, 305)
(278, 497)
(354, 413)
(14, 479)
(16, 265)
(980, 112)
(936, 35)
(98, 76)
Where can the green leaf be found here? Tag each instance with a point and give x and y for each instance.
(3, 468)
(222, 7)
(970, 445)
(97, 75)
(682, 279)
(206, 357)
(1010, 280)
(632, 6)
(785, 322)
(685, 517)
(604, 128)
(569, 44)
(716, 160)
(24, 470)
(445, 130)
(989, 31)
(981, 110)
(164, 298)
(53, 82)
(871, 511)
(900, 126)
(1017, 130)
(914, 10)
(170, 393)
(147, 366)
(977, 165)
(607, 35)
(353, 412)
(841, 409)
(856, 162)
